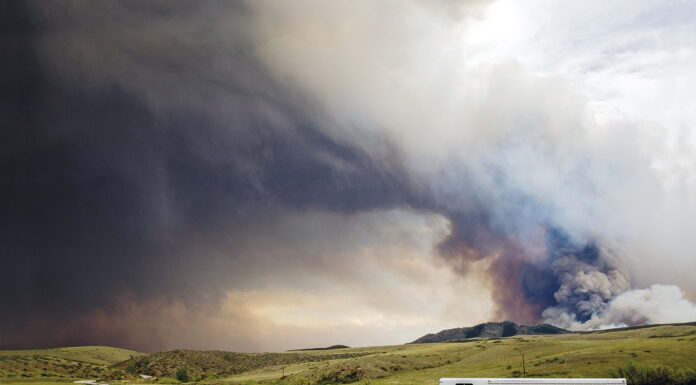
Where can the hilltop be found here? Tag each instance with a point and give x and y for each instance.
(489, 330)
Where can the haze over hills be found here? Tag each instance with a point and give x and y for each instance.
(489, 330)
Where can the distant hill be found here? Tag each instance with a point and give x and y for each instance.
(489, 330)
(332, 347)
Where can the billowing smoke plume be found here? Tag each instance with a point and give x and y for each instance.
(587, 278)
(593, 293)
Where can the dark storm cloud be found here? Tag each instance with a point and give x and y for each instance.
(101, 190)
(140, 139)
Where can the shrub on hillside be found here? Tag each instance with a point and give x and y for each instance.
(655, 375)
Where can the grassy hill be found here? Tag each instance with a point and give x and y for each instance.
(63, 363)
(592, 354)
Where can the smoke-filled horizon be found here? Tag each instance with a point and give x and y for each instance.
(258, 175)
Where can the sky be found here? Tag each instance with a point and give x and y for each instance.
(264, 175)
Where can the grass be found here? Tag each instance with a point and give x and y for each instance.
(594, 354)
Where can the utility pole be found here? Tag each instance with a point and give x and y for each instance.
(524, 370)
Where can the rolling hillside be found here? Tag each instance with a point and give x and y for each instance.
(593, 354)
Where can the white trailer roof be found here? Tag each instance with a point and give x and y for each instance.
(541, 381)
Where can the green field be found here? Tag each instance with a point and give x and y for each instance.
(568, 355)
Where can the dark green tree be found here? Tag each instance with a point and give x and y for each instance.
(182, 375)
